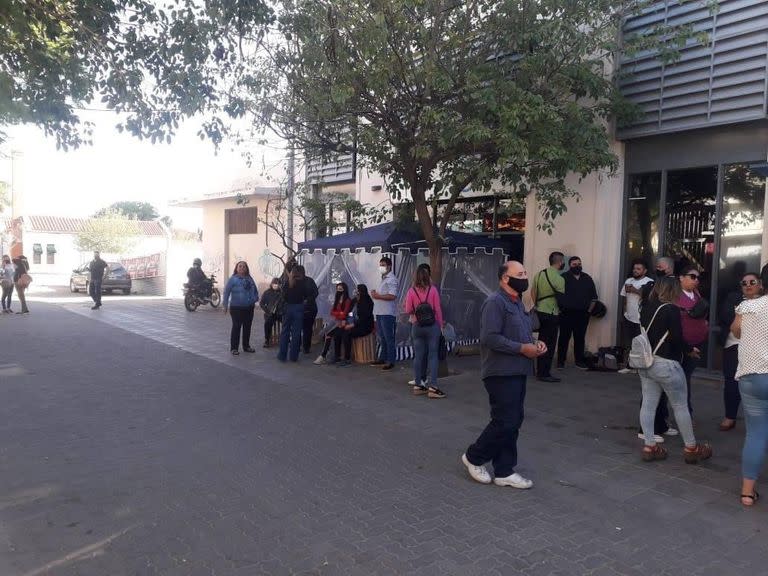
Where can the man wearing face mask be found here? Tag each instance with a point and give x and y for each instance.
(507, 350)
(580, 297)
(547, 290)
(385, 310)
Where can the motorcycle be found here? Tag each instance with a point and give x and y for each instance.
(193, 298)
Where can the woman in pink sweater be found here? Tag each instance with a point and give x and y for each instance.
(422, 303)
(693, 316)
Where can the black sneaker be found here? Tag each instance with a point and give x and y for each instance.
(249, 350)
(387, 366)
(378, 363)
(582, 366)
(235, 353)
(548, 379)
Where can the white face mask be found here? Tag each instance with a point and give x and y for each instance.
(382, 269)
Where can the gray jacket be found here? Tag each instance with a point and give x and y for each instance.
(504, 327)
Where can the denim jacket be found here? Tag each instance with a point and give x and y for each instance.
(504, 327)
(240, 292)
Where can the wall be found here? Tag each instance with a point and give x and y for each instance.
(590, 229)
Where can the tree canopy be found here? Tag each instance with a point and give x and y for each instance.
(111, 233)
(131, 209)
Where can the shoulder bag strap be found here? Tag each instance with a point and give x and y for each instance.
(664, 337)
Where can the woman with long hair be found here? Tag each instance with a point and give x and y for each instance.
(240, 297)
(422, 304)
(21, 281)
(751, 327)
(661, 319)
(751, 288)
(362, 322)
(342, 305)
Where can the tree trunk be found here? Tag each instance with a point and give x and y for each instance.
(428, 230)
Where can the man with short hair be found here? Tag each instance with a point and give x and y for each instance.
(385, 310)
(97, 268)
(580, 297)
(507, 350)
(632, 292)
(548, 287)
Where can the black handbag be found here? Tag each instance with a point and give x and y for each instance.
(699, 310)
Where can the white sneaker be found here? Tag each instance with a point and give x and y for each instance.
(656, 438)
(478, 473)
(319, 360)
(515, 480)
(627, 371)
(413, 383)
(671, 432)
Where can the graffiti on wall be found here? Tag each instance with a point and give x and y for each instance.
(144, 266)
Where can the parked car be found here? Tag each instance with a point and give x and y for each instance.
(117, 278)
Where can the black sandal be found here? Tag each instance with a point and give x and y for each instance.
(419, 390)
(435, 392)
(752, 497)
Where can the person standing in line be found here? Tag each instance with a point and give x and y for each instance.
(385, 310)
(662, 322)
(97, 269)
(507, 351)
(751, 327)
(310, 312)
(422, 304)
(342, 305)
(751, 288)
(425, 366)
(548, 289)
(21, 283)
(693, 314)
(6, 281)
(271, 304)
(632, 292)
(580, 297)
(295, 291)
(240, 297)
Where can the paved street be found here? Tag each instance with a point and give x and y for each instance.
(133, 443)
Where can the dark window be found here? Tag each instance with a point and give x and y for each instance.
(50, 254)
(37, 252)
(242, 220)
(643, 218)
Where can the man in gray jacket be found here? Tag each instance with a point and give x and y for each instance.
(507, 351)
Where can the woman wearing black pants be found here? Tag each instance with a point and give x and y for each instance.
(362, 325)
(240, 297)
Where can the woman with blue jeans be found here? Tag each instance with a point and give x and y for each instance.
(661, 319)
(751, 326)
(295, 292)
(422, 303)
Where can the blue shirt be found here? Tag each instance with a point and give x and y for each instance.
(389, 285)
(504, 327)
(241, 291)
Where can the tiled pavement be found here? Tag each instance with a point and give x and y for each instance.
(149, 449)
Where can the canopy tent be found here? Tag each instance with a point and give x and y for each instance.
(390, 237)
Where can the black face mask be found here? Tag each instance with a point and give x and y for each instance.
(519, 285)
(576, 270)
(660, 273)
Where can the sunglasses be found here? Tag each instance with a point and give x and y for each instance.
(752, 282)
(692, 276)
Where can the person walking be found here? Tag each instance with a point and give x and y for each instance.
(385, 310)
(342, 306)
(661, 319)
(21, 280)
(751, 327)
(507, 351)
(632, 291)
(548, 289)
(577, 303)
(310, 312)
(422, 304)
(693, 314)
(271, 304)
(97, 268)
(751, 288)
(295, 290)
(362, 319)
(6, 281)
(240, 297)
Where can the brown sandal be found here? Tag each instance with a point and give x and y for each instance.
(702, 451)
(651, 453)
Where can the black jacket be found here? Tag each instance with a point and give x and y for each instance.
(195, 275)
(270, 302)
(364, 313)
(668, 319)
(96, 268)
(579, 292)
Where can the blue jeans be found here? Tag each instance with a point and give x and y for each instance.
(426, 342)
(668, 376)
(754, 401)
(385, 331)
(293, 317)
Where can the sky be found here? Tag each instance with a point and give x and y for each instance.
(121, 167)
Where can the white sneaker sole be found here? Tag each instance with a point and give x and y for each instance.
(526, 485)
(475, 477)
(656, 438)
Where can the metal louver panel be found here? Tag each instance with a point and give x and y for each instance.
(724, 82)
(341, 169)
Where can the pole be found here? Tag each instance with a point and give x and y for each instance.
(290, 191)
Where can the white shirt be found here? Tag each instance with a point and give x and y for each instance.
(632, 311)
(389, 285)
(753, 347)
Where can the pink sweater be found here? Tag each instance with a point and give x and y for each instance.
(416, 296)
(695, 330)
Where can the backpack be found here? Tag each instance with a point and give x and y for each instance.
(641, 354)
(425, 314)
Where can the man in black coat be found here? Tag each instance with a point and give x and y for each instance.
(97, 269)
(580, 297)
